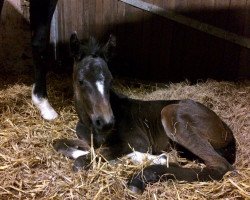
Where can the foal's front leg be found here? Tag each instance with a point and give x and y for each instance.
(76, 149)
(79, 150)
(72, 148)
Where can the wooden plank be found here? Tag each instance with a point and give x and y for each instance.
(235, 24)
(54, 37)
(179, 47)
(63, 23)
(244, 60)
(134, 17)
(98, 18)
(213, 48)
(77, 16)
(92, 12)
(120, 18)
(196, 24)
(167, 32)
(146, 48)
(157, 50)
(74, 13)
(107, 10)
(168, 4)
(86, 25)
(193, 46)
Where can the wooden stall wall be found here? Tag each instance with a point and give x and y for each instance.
(156, 48)
(15, 36)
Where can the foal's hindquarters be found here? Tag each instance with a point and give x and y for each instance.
(200, 131)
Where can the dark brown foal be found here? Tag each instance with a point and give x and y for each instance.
(139, 129)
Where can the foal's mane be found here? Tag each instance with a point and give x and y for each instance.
(91, 47)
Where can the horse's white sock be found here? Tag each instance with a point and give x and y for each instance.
(44, 106)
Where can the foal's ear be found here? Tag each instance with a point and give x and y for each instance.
(109, 47)
(75, 46)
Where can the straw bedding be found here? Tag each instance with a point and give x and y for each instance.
(31, 169)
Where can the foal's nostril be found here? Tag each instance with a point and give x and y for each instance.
(100, 124)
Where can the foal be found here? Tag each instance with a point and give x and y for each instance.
(120, 124)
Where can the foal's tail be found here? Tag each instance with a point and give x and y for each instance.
(154, 173)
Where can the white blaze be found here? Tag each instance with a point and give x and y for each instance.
(100, 86)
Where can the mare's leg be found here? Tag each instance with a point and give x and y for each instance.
(1, 6)
(41, 13)
(197, 129)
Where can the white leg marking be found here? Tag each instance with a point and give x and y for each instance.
(44, 106)
(100, 86)
(77, 153)
(138, 158)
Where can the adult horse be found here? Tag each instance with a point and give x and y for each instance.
(41, 13)
(124, 126)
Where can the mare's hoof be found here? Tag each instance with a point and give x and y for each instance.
(136, 185)
(43, 105)
(82, 163)
(49, 114)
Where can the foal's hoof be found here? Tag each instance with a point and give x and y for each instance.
(82, 163)
(136, 185)
(59, 144)
(234, 173)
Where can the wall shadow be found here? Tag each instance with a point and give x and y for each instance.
(149, 48)
(158, 49)
(15, 43)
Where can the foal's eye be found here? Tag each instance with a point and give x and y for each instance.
(80, 82)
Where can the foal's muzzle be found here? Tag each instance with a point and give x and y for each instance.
(102, 125)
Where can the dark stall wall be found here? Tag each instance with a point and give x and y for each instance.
(244, 60)
(149, 46)
(155, 48)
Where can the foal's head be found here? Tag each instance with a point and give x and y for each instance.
(91, 81)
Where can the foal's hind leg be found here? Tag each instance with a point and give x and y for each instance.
(41, 13)
(197, 131)
(183, 128)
